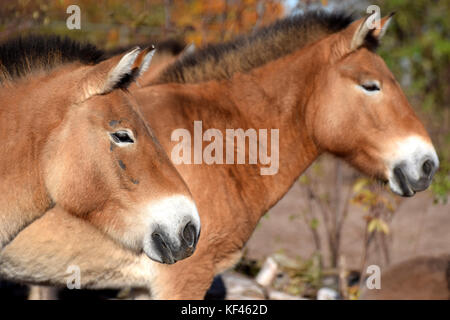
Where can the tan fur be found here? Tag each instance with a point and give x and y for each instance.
(48, 259)
(309, 96)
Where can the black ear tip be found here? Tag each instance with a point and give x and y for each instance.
(393, 13)
(149, 49)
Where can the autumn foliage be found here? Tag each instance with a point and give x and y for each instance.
(115, 22)
(210, 21)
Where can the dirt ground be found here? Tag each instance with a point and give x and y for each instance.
(418, 228)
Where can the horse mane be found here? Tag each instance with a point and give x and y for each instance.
(221, 61)
(23, 55)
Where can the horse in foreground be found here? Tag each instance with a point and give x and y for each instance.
(315, 77)
(74, 137)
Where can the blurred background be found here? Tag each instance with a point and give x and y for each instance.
(318, 241)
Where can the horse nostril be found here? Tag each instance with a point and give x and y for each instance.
(428, 167)
(189, 234)
(161, 245)
(159, 240)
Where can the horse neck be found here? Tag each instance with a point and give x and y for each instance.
(278, 95)
(24, 129)
(32, 108)
(275, 96)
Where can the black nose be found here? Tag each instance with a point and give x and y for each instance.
(410, 186)
(171, 250)
(189, 235)
(428, 168)
(403, 182)
(162, 246)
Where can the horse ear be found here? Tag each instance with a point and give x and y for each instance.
(189, 49)
(360, 30)
(119, 74)
(378, 33)
(366, 31)
(143, 60)
(116, 72)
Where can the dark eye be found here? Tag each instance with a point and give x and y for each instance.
(122, 137)
(371, 86)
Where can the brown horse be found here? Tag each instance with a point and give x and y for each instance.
(316, 78)
(74, 136)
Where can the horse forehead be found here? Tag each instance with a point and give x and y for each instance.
(370, 62)
(114, 104)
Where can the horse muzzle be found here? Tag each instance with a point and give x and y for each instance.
(407, 179)
(411, 163)
(174, 231)
(410, 185)
(169, 251)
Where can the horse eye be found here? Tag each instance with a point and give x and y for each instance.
(122, 137)
(371, 86)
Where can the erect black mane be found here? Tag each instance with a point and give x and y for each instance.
(22, 55)
(221, 61)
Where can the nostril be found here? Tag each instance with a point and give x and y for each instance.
(157, 238)
(162, 247)
(189, 234)
(428, 167)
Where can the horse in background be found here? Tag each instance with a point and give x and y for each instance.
(420, 278)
